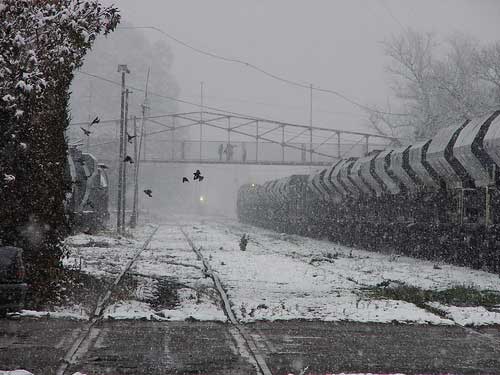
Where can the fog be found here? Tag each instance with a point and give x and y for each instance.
(330, 44)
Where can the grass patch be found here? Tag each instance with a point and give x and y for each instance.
(456, 296)
(79, 288)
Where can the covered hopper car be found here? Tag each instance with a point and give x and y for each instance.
(437, 199)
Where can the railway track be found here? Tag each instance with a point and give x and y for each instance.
(241, 334)
(83, 340)
(88, 333)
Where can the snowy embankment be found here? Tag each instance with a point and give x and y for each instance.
(291, 277)
(278, 277)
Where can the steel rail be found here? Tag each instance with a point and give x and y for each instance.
(69, 357)
(245, 335)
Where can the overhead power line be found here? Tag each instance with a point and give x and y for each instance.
(206, 107)
(391, 14)
(263, 71)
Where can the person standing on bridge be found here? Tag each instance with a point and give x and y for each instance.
(229, 151)
(243, 152)
(221, 151)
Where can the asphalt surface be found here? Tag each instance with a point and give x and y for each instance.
(142, 347)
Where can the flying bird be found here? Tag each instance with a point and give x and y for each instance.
(86, 132)
(185, 179)
(95, 121)
(128, 159)
(197, 176)
(130, 137)
(149, 193)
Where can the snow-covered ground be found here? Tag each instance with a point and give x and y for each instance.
(278, 277)
(291, 277)
(168, 259)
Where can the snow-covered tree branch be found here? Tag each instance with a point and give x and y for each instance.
(42, 42)
(437, 90)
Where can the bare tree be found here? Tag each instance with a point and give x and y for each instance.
(487, 64)
(436, 84)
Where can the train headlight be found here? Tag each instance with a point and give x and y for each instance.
(253, 185)
(202, 198)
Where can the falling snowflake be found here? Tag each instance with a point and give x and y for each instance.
(8, 178)
(8, 98)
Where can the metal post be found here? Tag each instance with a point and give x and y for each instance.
(125, 141)
(311, 145)
(138, 167)
(493, 183)
(144, 135)
(283, 143)
(173, 138)
(310, 125)
(201, 118)
(487, 214)
(461, 206)
(133, 217)
(257, 141)
(145, 107)
(228, 147)
(121, 69)
(90, 115)
(366, 145)
(339, 153)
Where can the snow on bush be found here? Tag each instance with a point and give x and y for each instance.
(42, 42)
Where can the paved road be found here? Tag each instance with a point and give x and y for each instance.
(140, 347)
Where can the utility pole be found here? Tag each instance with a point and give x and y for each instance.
(145, 107)
(125, 142)
(90, 114)
(311, 125)
(201, 118)
(133, 218)
(257, 141)
(123, 69)
(283, 143)
(173, 137)
(135, 211)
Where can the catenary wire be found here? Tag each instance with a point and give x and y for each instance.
(265, 72)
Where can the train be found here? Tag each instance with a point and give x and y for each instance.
(437, 199)
(87, 200)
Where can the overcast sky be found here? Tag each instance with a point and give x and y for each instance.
(333, 44)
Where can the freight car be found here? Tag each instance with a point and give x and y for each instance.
(87, 201)
(437, 199)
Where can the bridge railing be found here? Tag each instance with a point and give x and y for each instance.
(243, 151)
(239, 151)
